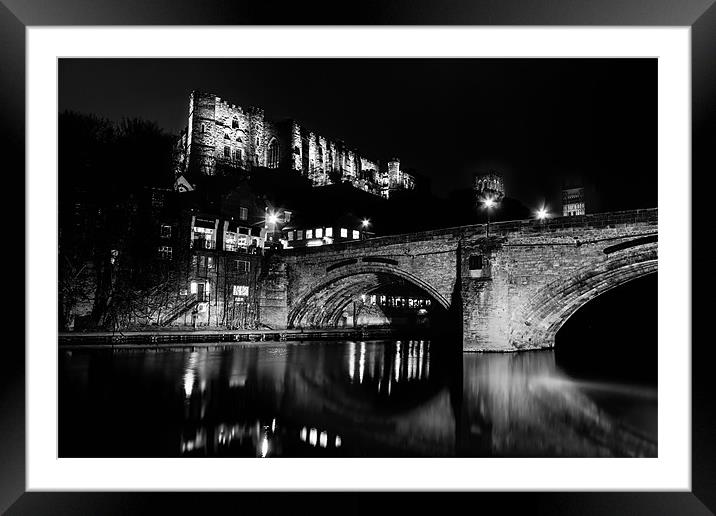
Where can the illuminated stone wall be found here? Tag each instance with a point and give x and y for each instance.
(220, 133)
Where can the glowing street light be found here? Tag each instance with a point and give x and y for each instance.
(489, 203)
(272, 218)
(542, 213)
(365, 224)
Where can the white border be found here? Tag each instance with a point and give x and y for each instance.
(671, 470)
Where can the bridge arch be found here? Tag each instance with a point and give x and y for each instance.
(323, 303)
(547, 310)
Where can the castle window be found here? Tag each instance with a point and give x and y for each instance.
(329, 232)
(289, 236)
(299, 234)
(203, 128)
(227, 152)
(344, 233)
(356, 235)
(234, 123)
(273, 154)
(238, 139)
(238, 155)
(226, 136)
(319, 233)
(309, 233)
(243, 213)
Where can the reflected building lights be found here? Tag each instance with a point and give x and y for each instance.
(318, 439)
(362, 361)
(190, 373)
(188, 383)
(351, 359)
(264, 446)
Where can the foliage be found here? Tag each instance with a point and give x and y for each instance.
(107, 259)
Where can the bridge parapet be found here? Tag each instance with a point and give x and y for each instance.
(611, 220)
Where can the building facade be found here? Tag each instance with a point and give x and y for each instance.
(573, 202)
(222, 136)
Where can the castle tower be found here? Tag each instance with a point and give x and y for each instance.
(201, 142)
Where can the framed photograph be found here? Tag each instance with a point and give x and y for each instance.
(356, 259)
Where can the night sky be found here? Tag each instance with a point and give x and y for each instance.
(540, 122)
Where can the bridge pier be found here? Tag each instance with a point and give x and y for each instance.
(485, 297)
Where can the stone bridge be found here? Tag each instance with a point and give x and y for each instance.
(512, 289)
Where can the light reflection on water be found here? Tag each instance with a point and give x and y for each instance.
(368, 398)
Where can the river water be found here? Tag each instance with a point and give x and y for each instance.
(374, 398)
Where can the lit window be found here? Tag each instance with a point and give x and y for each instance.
(203, 238)
(290, 236)
(329, 232)
(165, 252)
(319, 233)
(243, 213)
(287, 216)
(210, 262)
(309, 233)
(166, 231)
(344, 233)
(299, 234)
(241, 290)
(356, 235)
(230, 241)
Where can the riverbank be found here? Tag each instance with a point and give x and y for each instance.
(172, 338)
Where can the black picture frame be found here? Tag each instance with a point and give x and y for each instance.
(700, 15)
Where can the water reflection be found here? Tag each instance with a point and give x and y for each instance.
(368, 398)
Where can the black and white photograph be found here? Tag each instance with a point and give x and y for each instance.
(385, 257)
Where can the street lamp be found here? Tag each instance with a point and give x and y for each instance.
(365, 224)
(489, 203)
(542, 213)
(272, 219)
